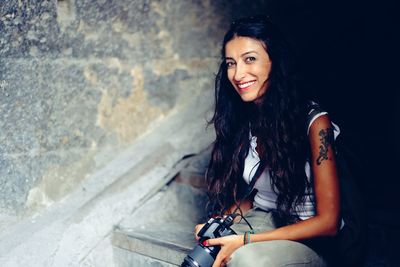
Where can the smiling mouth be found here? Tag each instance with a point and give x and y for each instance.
(244, 86)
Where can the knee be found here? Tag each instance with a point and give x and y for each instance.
(275, 253)
(241, 258)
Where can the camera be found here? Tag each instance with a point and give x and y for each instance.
(203, 256)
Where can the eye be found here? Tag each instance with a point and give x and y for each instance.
(229, 64)
(250, 59)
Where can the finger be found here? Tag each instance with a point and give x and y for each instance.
(217, 262)
(198, 227)
(213, 242)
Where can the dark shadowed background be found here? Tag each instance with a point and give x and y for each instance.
(346, 57)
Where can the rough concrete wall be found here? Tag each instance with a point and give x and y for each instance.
(80, 79)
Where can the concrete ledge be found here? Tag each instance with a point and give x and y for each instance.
(127, 258)
(162, 229)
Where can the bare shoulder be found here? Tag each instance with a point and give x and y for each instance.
(323, 122)
(321, 137)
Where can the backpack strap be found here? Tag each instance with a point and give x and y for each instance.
(249, 189)
(257, 175)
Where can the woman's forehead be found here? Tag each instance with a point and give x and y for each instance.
(240, 45)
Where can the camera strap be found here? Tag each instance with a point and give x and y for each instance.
(257, 174)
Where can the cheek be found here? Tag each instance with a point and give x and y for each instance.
(267, 70)
(263, 75)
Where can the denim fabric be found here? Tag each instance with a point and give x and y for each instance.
(270, 253)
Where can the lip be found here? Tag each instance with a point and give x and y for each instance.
(245, 86)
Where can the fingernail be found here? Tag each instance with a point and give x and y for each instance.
(204, 243)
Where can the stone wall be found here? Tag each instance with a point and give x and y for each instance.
(80, 79)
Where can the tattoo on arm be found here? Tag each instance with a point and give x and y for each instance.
(327, 139)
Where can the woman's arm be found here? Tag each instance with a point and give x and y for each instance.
(327, 196)
(326, 190)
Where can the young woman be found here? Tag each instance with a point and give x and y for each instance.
(260, 119)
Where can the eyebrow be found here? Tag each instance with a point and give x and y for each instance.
(242, 55)
(249, 52)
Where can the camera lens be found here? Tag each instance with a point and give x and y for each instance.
(201, 256)
(188, 262)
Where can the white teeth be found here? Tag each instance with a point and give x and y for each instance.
(244, 85)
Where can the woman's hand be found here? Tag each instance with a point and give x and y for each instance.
(228, 245)
(197, 228)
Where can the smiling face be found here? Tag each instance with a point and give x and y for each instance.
(248, 66)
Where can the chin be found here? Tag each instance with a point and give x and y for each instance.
(248, 98)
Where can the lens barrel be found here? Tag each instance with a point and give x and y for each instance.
(203, 256)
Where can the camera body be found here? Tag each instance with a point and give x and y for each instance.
(204, 256)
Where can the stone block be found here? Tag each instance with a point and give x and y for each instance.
(162, 228)
(126, 258)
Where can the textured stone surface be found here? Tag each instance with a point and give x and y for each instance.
(75, 230)
(163, 227)
(81, 78)
(125, 258)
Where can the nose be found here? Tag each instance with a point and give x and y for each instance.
(240, 72)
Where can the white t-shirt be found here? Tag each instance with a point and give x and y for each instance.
(266, 198)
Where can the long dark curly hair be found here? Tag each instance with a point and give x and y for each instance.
(278, 119)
